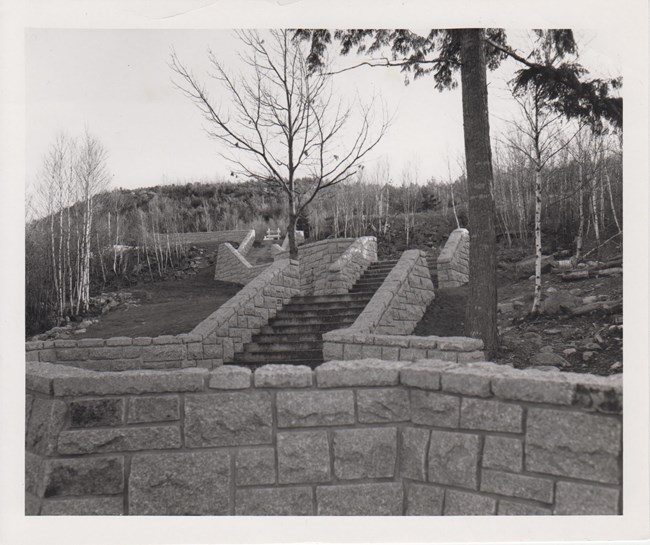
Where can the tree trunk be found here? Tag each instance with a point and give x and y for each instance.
(481, 314)
(581, 212)
(291, 229)
(537, 299)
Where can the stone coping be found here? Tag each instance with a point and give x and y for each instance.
(455, 238)
(479, 379)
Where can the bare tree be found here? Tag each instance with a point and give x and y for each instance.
(282, 125)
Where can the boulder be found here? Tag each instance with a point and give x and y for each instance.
(548, 358)
(559, 302)
(526, 266)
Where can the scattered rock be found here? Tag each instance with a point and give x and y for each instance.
(558, 302)
(616, 365)
(546, 358)
(518, 304)
(569, 351)
(552, 331)
(586, 356)
(575, 291)
(592, 346)
(551, 290)
(526, 266)
(533, 337)
(505, 307)
(546, 349)
(589, 299)
(546, 368)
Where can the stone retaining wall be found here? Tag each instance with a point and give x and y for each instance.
(381, 330)
(350, 438)
(317, 257)
(232, 266)
(453, 261)
(235, 322)
(208, 345)
(348, 268)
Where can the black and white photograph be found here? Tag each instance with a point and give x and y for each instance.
(294, 264)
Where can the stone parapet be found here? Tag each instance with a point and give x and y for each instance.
(208, 345)
(348, 268)
(232, 266)
(402, 299)
(316, 258)
(364, 437)
(235, 322)
(453, 261)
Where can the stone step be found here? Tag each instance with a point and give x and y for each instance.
(278, 357)
(309, 320)
(316, 313)
(304, 328)
(312, 363)
(288, 337)
(365, 290)
(277, 346)
(310, 299)
(323, 307)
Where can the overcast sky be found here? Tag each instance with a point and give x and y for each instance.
(118, 84)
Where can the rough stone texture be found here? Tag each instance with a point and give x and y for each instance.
(255, 466)
(232, 266)
(511, 508)
(303, 457)
(88, 413)
(119, 439)
(424, 374)
(85, 507)
(584, 446)
(424, 500)
(517, 486)
(453, 261)
(468, 504)
(45, 419)
(34, 468)
(315, 408)
(283, 376)
(368, 372)
(584, 499)
(84, 476)
(291, 501)
(235, 322)
(230, 377)
(467, 381)
(128, 382)
(383, 405)
(535, 386)
(434, 409)
(189, 483)
(401, 301)
(153, 409)
(365, 453)
(343, 273)
(413, 453)
(360, 500)
(453, 459)
(242, 418)
(490, 415)
(505, 453)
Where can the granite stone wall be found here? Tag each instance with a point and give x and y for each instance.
(208, 345)
(362, 437)
(453, 261)
(232, 266)
(382, 329)
(316, 258)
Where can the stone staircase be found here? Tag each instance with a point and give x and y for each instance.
(295, 335)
